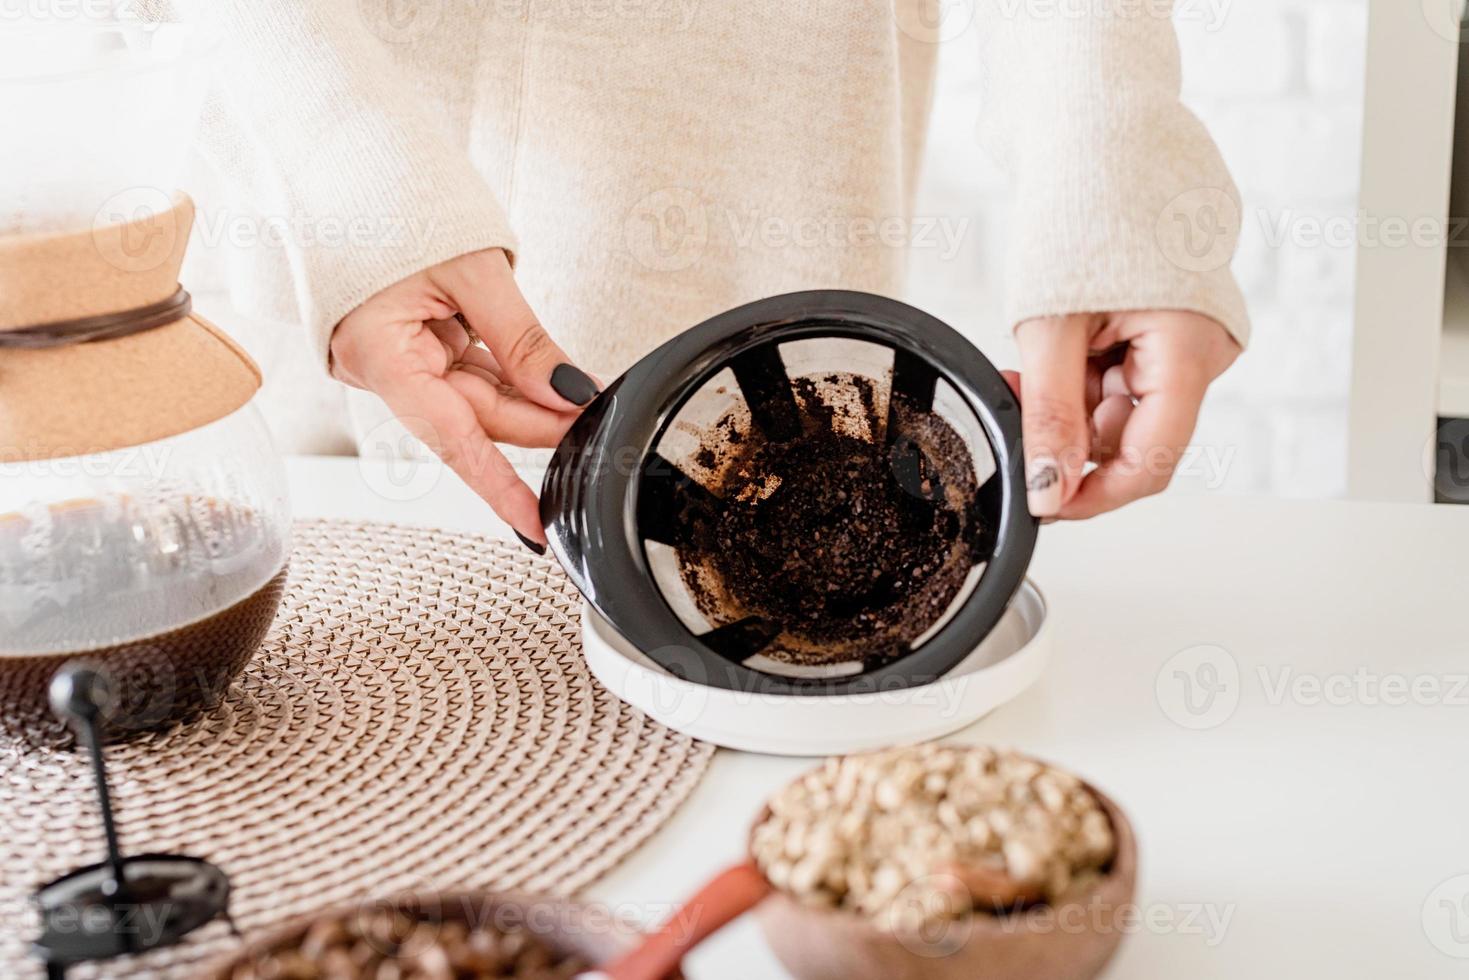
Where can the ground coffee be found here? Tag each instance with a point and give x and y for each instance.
(843, 540)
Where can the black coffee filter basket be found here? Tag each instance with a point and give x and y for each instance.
(623, 473)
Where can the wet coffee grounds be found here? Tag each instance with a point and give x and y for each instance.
(845, 542)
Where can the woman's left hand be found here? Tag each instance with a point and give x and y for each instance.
(1121, 390)
(406, 344)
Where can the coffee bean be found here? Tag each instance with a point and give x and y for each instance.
(390, 944)
(873, 834)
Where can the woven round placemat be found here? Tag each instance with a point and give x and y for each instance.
(419, 717)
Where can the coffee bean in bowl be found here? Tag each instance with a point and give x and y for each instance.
(943, 861)
(467, 936)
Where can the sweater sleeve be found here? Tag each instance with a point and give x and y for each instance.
(356, 179)
(1123, 201)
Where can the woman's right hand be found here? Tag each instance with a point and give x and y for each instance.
(408, 345)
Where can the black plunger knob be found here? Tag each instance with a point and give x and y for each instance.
(82, 695)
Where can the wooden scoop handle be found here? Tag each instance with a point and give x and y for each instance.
(726, 897)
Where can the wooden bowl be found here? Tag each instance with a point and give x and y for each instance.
(1070, 939)
(568, 928)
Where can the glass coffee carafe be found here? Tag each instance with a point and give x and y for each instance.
(143, 511)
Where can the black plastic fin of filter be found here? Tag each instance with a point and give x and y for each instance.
(742, 639)
(665, 497)
(914, 383)
(767, 388)
(915, 380)
(983, 518)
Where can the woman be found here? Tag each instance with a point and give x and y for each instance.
(609, 172)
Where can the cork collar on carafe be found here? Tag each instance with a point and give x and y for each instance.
(157, 379)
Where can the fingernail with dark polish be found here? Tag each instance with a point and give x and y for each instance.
(539, 549)
(573, 384)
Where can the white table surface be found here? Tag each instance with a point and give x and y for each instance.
(1312, 820)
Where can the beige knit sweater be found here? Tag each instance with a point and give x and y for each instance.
(653, 162)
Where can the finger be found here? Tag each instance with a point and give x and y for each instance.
(440, 417)
(1108, 421)
(451, 334)
(484, 289)
(1114, 382)
(1153, 440)
(504, 415)
(1012, 378)
(371, 353)
(1093, 384)
(484, 361)
(474, 371)
(1053, 355)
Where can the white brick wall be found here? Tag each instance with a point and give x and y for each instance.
(1278, 82)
